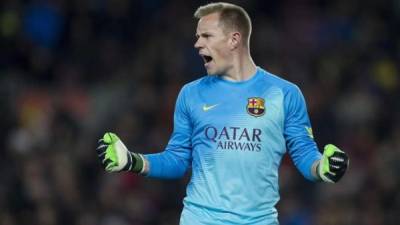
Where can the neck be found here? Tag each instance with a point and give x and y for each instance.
(243, 68)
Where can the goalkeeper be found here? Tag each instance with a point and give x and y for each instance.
(231, 128)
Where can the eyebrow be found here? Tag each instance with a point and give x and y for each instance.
(203, 34)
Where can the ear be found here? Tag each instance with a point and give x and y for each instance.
(236, 40)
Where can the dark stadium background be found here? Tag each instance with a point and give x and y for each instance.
(72, 69)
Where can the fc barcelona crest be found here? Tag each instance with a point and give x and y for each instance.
(255, 106)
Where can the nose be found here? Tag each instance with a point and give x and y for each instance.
(198, 44)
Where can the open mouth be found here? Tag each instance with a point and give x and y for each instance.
(206, 58)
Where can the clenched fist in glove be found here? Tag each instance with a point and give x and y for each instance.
(115, 157)
(333, 164)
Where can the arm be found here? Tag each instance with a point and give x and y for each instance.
(330, 166)
(176, 158)
(298, 134)
(171, 163)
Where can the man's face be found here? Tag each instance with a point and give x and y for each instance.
(213, 45)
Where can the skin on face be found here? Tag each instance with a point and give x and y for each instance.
(214, 45)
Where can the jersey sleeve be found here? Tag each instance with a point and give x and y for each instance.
(298, 133)
(175, 159)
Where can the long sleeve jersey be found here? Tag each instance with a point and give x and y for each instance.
(233, 136)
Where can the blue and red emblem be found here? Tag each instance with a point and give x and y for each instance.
(255, 106)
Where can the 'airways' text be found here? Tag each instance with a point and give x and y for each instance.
(231, 145)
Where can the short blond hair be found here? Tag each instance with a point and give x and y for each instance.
(232, 17)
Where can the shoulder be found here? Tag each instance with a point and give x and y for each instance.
(190, 90)
(278, 81)
(197, 84)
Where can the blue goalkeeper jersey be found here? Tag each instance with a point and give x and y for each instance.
(233, 136)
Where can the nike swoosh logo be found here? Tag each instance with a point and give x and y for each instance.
(209, 107)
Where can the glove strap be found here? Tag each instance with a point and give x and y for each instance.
(135, 163)
(317, 171)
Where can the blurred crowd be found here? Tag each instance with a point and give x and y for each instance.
(71, 70)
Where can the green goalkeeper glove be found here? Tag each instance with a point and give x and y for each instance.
(333, 164)
(115, 157)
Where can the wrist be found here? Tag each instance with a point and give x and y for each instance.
(137, 164)
(315, 170)
(318, 171)
(145, 169)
